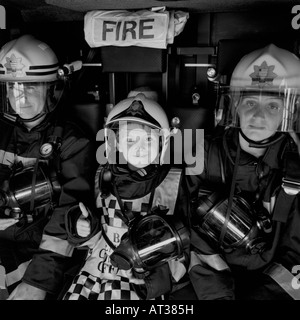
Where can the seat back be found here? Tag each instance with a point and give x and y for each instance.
(90, 115)
(191, 120)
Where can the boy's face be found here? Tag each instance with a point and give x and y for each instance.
(27, 99)
(138, 143)
(260, 116)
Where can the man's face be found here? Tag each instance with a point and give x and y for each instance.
(260, 115)
(27, 99)
(138, 143)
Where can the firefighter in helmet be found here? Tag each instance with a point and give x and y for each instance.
(42, 170)
(141, 250)
(246, 205)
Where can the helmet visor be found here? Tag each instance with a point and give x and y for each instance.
(260, 110)
(29, 99)
(155, 241)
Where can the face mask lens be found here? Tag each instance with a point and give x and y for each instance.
(150, 242)
(242, 228)
(19, 194)
(239, 224)
(155, 241)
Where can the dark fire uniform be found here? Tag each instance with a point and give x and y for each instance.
(238, 274)
(38, 253)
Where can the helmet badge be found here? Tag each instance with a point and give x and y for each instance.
(14, 66)
(136, 108)
(263, 75)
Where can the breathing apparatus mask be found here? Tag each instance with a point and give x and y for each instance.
(151, 241)
(246, 227)
(27, 190)
(263, 97)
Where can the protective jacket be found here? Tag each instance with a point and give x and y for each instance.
(28, 253)
(236, 274)
(98, 278)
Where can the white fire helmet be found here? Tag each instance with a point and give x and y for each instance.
(137, 109)
(268, 72)
(28, 73)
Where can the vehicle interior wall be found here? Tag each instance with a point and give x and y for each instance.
(175, 80)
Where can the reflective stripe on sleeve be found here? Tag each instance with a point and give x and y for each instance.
(8, 158)
(215, 261)
(16, 275)
(57, 245)
(177, 268)
(284, 279)
(2, 277)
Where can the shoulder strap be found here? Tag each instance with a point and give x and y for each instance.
(290, 186)
(8, 134)
(104, 178)
(215, 165)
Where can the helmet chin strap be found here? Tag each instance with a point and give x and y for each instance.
(265, 142)
(38, 116)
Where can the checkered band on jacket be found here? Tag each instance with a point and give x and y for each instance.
(99, 279)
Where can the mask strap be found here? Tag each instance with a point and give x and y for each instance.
(34, 178)
(230, 200)
(127, 216)
(152, 195)
(38, 116)
(260, 144)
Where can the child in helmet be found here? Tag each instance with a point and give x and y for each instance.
(45, 164)
(133, 255)
(245, 238)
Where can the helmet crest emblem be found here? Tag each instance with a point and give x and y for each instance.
(136, 108)
(263, 75)
(14, 66)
